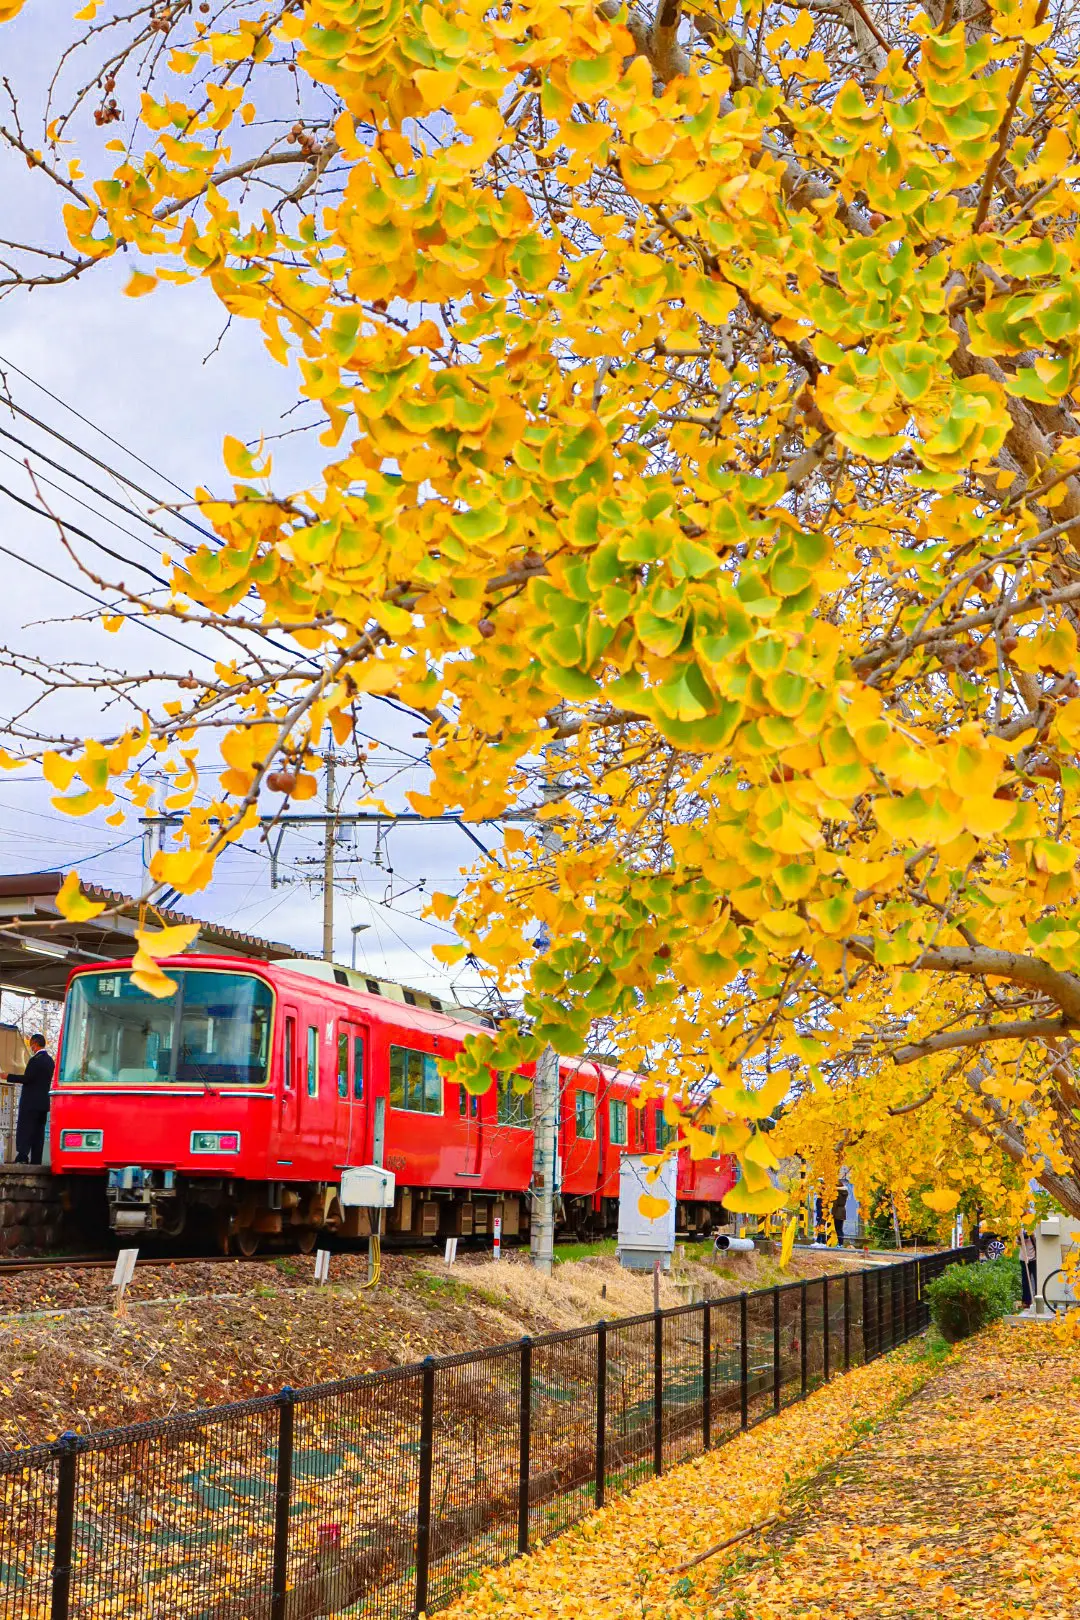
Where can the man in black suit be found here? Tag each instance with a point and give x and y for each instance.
(33, 1104)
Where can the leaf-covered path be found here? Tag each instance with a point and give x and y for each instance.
(965, 1503)
(901, 1492)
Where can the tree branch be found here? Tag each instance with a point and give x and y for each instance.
(1018, 1029)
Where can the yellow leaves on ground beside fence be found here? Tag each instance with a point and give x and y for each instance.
(966, 1504)
(625, 1561)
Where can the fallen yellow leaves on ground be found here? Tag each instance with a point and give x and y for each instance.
(625, 1561)
(965, 1505)
(961, 1502)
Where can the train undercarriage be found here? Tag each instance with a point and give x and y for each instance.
(243, 1217)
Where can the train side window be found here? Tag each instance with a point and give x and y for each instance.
(342, 1064)
(585, 1115)
(515, 1106)
(358, 1067)
(617, 1122)
(289, 1061)
(665, 1133)
(468, 1103)
(432, 1087)
(312, 1061)
(415, 1081)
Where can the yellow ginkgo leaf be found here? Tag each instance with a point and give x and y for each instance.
(166, 941)
(652, 1208)
(743, 1200)
(941, 1199)
(73, 904)
(140, 284)
(146, 975)
(787, 1243)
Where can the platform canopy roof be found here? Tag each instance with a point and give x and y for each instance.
(39, 948)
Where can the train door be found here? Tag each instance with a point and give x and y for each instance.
(352, 1091)
(289, 1070)
(314, 1108)
(472, 1131)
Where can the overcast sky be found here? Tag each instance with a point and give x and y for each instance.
(152, 374)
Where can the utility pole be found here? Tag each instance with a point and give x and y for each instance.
(545, 1110)
(328, 863)
(545, 1160)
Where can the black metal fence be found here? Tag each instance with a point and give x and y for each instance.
(379, 1495)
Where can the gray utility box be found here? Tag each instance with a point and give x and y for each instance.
(644, 1241)
(368, 1186)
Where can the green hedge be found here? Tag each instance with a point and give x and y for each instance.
(966, 1298)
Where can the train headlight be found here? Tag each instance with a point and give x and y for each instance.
(80, 1141)
(215, 1141)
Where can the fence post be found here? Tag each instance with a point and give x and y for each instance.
(802, 1334)
(847, 1320)
(64, 1530)
(826, 1369)
(282, 1501)
(524, 1442)
(865, 1314)
(706, 1376)
(880, 1335)
(776, 1349)
(658, 1393)
(744, 1366)
(601, 1409)
(423, 1502)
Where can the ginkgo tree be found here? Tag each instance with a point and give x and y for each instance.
(694, 397)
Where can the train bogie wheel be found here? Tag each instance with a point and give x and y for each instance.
(246, 1241)
(306, 1239)
(176, 1223)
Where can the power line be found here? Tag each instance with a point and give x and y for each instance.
(380, 697)
(69, 495)
(25, 375)
(103, 494)
(66, 523)
(130, 618)
(40, 871)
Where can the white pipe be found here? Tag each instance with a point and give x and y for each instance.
(737, 1245)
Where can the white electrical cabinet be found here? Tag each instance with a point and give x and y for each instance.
(643, 1240)
(367, 1186)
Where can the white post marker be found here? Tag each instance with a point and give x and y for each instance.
(496, 1228)
(123, 1271)
(450, 1254)
(322, 1266)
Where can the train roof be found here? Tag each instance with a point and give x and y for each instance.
(284, 975)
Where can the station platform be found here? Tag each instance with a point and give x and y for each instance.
(33, 1207)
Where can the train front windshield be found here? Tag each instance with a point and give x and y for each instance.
(214, 1030)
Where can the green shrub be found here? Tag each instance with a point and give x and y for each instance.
(966, 1298)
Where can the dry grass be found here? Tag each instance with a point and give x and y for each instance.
(205, 1334)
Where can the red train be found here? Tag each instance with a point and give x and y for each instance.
(237, 1102)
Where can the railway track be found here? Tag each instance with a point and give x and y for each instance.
(13, 1265)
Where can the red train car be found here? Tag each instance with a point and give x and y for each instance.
(236, 1104)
